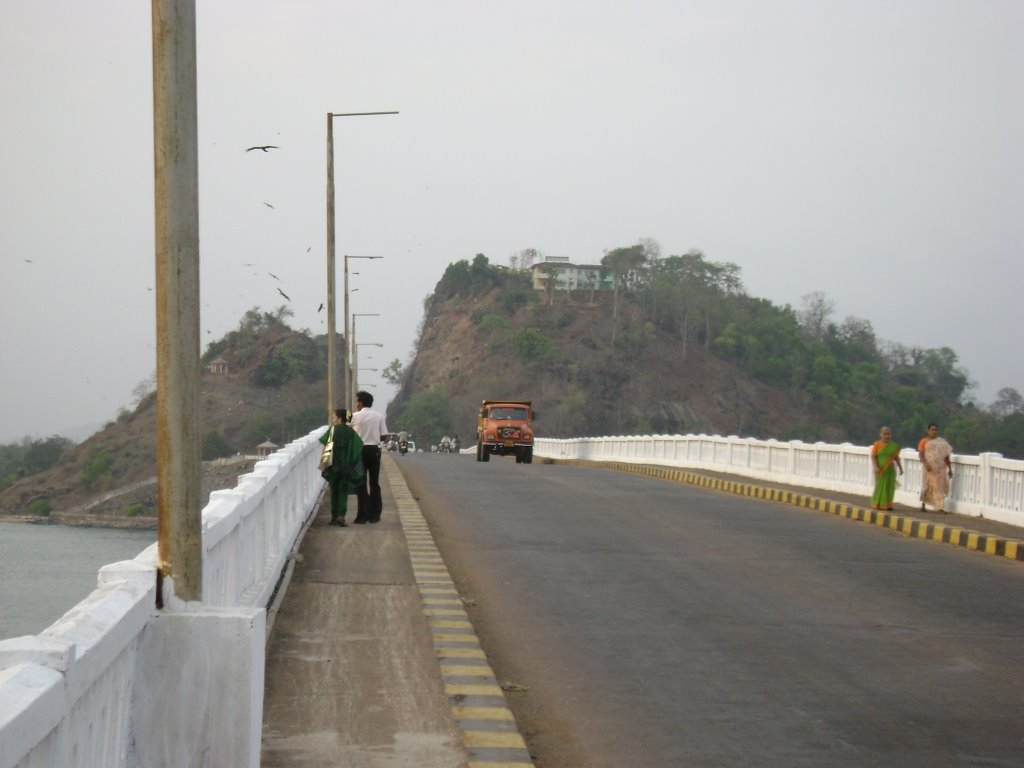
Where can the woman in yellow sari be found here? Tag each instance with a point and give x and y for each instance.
(884, 454)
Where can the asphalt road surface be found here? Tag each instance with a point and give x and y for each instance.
(653, 624)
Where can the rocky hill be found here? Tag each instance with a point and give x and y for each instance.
(559, 352)
(640, 344)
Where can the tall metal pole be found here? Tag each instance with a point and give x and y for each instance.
(176, 172)
(355, 368)
(331, 364)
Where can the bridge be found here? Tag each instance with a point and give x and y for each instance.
(133, 676)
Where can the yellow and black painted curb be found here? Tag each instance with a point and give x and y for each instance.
(489, 730)
(956, 536)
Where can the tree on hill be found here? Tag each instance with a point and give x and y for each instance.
(393, 372)
(425, 416)
(31, 456)
(625, 263)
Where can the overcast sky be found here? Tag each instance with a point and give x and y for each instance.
(868, 149)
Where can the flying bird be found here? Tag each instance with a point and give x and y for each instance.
(273, 275)
(264, 147)
(318, 309)
(284, 294)
(29, 261)
(268, 205)
(309, 249)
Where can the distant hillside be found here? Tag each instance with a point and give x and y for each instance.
(274, 389)
(677, 347)
(498, 338)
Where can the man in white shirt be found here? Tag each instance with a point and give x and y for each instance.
(370, 426)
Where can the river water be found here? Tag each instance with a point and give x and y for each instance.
(45, 570)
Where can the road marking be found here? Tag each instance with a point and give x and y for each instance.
(489, 730)
(1011, 549)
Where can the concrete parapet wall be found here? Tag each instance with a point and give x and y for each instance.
(117, 683)
(983, 486)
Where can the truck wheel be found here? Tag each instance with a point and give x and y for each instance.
(528, 456)
(479, 452)
(485, 453)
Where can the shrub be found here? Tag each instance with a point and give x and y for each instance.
(532, 346)
(138, 509)
(96, 469)
(215, 446)
(493, 323)
(40, 507)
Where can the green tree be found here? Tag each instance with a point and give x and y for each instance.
(393, 372)
(944, 372)
(814, 317)
(1008, 401)
(214, 445)
(426, 415)
(41, 455)
(1008, 436)
(626, 263)
(40, 507)
(274, 371)
(532, 346)
(96, 469)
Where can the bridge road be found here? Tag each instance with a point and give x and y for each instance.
(658, 625)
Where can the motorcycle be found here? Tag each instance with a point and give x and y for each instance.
(403, 447)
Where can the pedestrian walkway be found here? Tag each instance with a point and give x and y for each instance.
(372, 660)
(352, 679)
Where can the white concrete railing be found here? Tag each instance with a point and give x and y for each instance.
(117, 683)
(984, 486)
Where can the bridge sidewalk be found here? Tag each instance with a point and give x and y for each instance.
(352, 677)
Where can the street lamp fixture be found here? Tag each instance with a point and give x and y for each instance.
(351, 351)
(331, 324)
(355, 362)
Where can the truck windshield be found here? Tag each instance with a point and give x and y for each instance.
(508, 413)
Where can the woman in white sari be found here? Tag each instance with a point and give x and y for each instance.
(936, 469)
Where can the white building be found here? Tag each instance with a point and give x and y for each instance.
(559, 274)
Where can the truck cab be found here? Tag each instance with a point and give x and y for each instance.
(503, 428)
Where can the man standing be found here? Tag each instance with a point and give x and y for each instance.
(370, 426)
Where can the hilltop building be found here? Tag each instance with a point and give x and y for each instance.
(559, 274)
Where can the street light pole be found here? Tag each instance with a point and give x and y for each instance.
(355, 364)
(355, 376)
(331, 367)
(331, 325)
(349, 395)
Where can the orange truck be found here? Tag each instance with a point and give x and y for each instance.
(503, 428)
